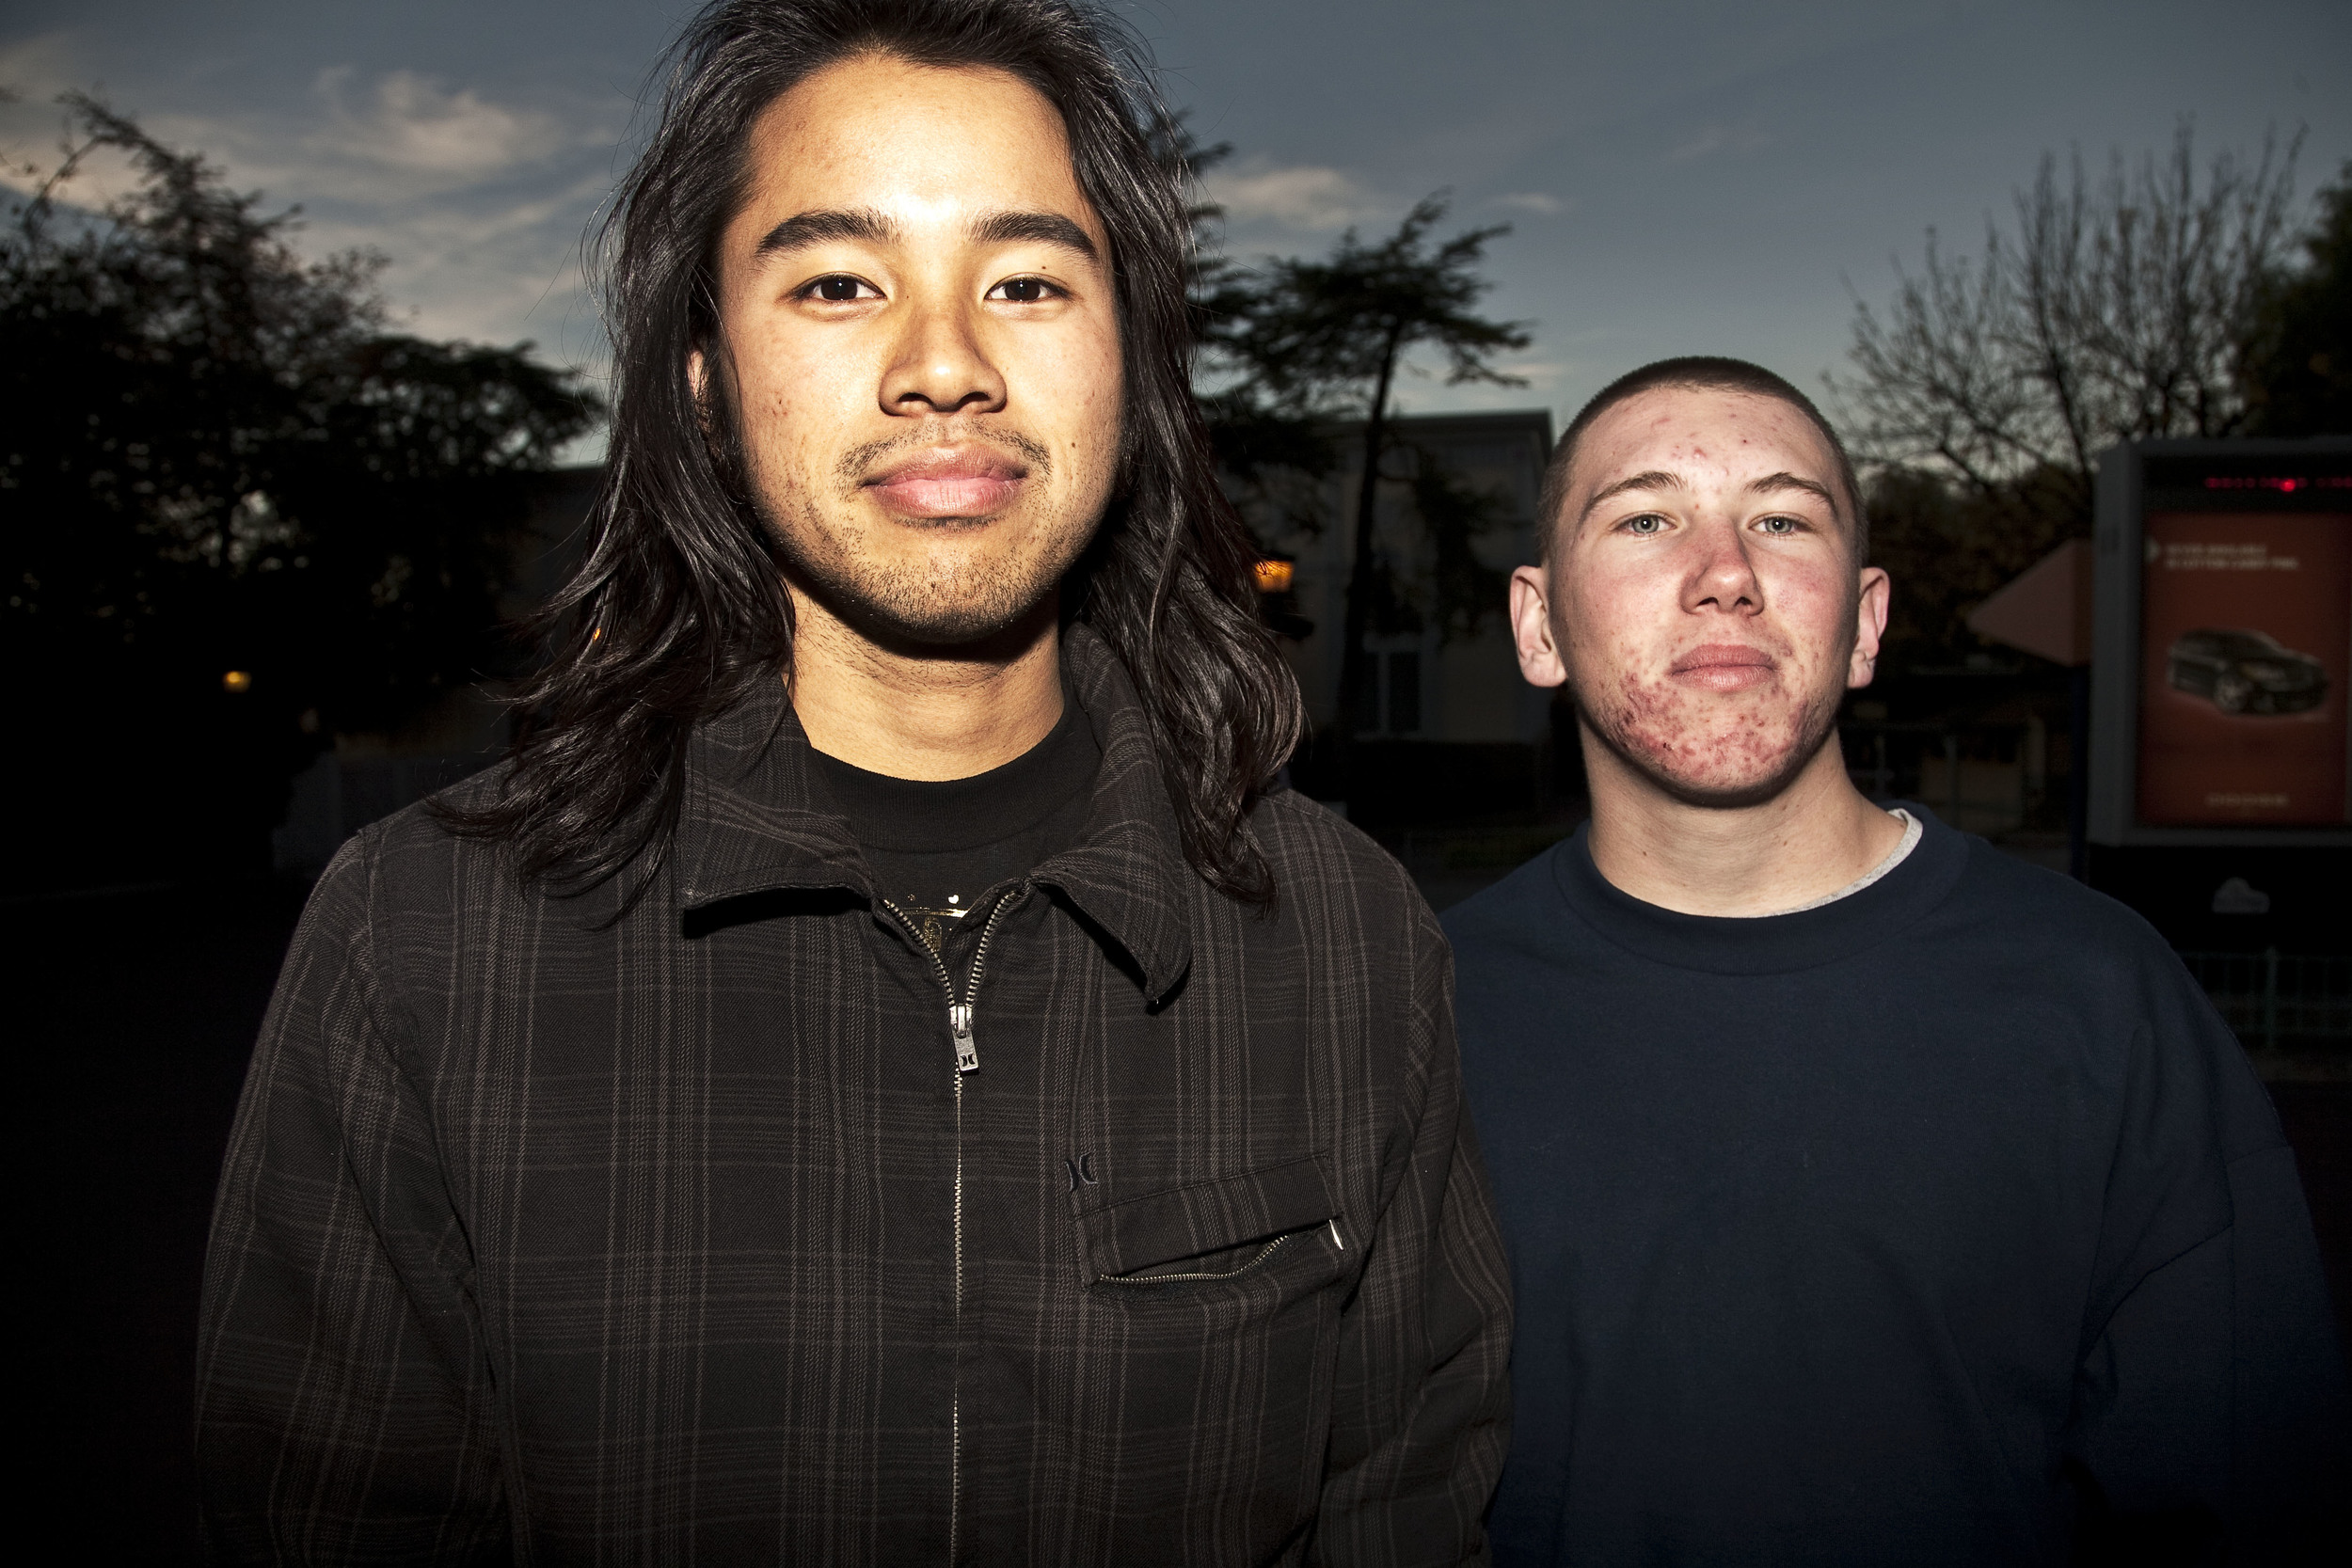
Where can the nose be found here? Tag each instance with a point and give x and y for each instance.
(1722, 578)
(943, 365)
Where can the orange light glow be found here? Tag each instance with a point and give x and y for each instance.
(237, 682)
(1273, 577)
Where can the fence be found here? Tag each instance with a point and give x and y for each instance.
(2271, 996)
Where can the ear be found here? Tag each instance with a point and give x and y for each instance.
(1869, 626)
(1531, 627)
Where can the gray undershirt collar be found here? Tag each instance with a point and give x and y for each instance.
(1911, 834)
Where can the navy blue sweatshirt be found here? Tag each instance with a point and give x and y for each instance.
(1901, 1229)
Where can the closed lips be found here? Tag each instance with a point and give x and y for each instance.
(949, 484)
(1724, 666)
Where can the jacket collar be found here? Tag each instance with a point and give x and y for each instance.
(757, 819)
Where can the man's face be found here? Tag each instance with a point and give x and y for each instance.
(916, 304)
(1702, 600)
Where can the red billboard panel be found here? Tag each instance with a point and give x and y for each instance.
(2245, 662)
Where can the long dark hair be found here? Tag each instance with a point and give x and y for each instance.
(679, 608)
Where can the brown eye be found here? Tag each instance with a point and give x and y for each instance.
(1023, 291)
(838, 290)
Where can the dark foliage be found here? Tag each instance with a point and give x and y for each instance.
(2298, 362)
(216, 459)
(1947, 547)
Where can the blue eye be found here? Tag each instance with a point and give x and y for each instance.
(1648, 522)
(1778, 525)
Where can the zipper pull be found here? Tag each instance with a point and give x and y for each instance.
(960, 1025)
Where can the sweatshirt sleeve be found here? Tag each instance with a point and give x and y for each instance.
(1420, 1420)
(2210, 1412)
(344, 1407)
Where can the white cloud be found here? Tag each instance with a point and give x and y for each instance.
(418, 128)
(1539, 373)
(1299, 197)
(1712, 140)
(1533, 201)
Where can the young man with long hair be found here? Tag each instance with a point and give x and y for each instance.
(1873, 1197)
(877, 1075)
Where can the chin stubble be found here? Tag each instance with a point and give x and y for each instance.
(907, 602)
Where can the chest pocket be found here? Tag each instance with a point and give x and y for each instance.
(1230, 1227)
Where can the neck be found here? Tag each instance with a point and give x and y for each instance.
(1804, 842)
(913, 712)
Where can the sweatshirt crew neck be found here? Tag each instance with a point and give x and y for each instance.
(1765, 945)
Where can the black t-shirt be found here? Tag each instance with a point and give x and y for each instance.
(938, 847)
(1892, 1230)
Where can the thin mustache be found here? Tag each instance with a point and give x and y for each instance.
(864, 459)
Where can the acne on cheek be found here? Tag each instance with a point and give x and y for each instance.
(1703, 746)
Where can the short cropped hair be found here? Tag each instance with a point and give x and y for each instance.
(1698, 371)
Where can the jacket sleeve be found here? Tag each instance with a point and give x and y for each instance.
(344, 1407)
(1422, 1403)
(2210, 1413)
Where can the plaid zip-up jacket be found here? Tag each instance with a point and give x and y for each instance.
(683, 1238)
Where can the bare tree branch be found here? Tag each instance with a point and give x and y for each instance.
(2115, 308)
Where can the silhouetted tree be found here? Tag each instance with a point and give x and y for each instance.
(2298, 361)
(2119, 309)
(214, 457)
(1319, 341)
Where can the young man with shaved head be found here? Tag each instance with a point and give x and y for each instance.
(1873, 1197)
(878, 1075)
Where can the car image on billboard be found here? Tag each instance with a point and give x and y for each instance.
(2244, 671)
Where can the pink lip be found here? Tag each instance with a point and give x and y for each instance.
(1724, 666)
(948, 483)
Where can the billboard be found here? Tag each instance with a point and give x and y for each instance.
(2246, 633)
(2222, 663)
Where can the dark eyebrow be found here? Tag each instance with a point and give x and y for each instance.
(1791, 481)
(1656, 479)
(1042, 227)
(816, 227)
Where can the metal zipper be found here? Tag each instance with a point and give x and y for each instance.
(1263, 1253)
(967, 1060)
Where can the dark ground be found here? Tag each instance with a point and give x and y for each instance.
(143, 1007)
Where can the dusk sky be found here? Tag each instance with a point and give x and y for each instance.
(1681, 178)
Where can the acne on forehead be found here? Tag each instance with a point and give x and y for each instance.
(1695, 424)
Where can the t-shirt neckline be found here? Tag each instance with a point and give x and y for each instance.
(1765, 945)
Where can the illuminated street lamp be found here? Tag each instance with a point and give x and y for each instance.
(237, 682)
(1273, 577)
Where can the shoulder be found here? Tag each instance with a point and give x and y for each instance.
(1305, 841)
(2016, 905)
(415, 881)
(2026, 932)
(1336, 877)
